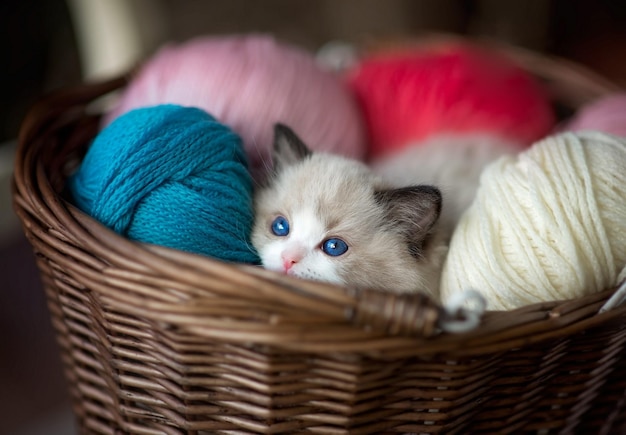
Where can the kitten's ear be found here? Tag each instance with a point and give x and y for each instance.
(288, 147)
(413, 211)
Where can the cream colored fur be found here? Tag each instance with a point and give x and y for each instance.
(326, 196)
(452, 163)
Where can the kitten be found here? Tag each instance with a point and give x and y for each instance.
(328, 218)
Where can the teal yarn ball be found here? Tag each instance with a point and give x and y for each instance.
(172, 176)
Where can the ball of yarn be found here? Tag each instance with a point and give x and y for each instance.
(453, 88)
(250, 82)
(171, 176)
(606, 114)
(548, 224)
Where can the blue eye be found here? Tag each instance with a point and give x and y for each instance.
(280, 226)
(334, 247)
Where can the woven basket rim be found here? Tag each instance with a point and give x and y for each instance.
(245, 304)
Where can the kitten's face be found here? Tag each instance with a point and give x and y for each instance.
(328, 218)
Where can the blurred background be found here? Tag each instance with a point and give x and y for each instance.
(53, 43)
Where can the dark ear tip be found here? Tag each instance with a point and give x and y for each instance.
(430, 190)
(288, 147)
(281, 129)
(435, 193)
(422, 191)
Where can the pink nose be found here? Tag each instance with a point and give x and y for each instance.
(291, 257)
(288, 263)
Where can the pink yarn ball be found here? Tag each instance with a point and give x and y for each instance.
(607, 115)
(250, 82)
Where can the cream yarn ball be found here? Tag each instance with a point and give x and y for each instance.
(547, 224)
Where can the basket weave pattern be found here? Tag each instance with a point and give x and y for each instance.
(156, 341)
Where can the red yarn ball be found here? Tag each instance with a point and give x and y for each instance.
(409, 95)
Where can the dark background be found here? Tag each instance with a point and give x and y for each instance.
(41, 50)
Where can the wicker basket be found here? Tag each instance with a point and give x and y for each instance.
(155, 341)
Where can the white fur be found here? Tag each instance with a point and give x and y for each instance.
(451, 162)
(306, 234)
(327, 196)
